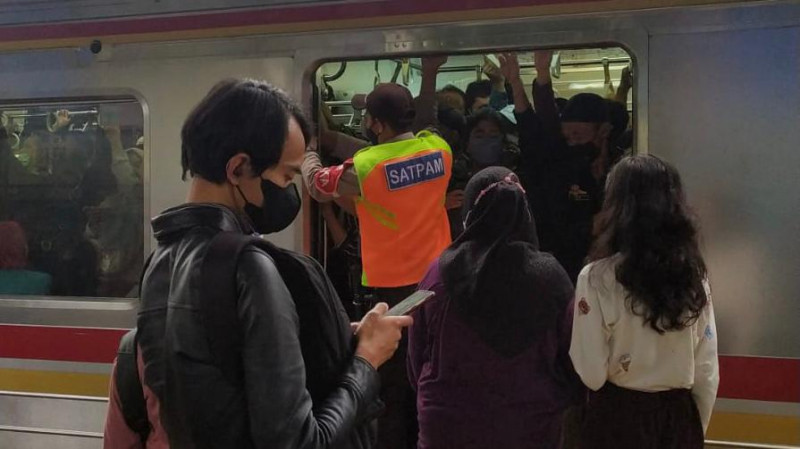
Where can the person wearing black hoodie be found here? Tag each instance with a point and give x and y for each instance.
(565, 158)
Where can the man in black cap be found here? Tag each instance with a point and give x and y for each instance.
(399, 186)
(565, 158)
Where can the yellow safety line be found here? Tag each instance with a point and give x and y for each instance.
(754, 428)
(30, 381)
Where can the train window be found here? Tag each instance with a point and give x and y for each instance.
(448, 91)
(71, 197)
(603, 71)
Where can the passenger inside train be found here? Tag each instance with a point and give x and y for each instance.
(15, 277)
(71, 176)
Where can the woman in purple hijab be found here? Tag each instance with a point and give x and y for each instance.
(488, 355)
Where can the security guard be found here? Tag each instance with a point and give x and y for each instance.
(399, 186)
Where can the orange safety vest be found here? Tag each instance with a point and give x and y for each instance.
(401, 211)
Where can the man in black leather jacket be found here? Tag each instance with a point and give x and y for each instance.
(243, 145)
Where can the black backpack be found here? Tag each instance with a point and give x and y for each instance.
(129, 387)
(316, 302)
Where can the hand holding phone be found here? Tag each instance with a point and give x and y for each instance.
(379, 335)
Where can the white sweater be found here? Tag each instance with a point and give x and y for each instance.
(610, 343)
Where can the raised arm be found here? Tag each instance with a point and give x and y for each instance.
(625, 85)
(425, 103)
(534, 145)
(509, 65)
(543, 96)
(498, 99)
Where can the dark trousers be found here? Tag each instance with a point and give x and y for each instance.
(397, 427)
(620, 418)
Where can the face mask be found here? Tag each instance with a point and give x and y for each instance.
(281, 206)
(587, 150)
(369, 133)
(486, 151)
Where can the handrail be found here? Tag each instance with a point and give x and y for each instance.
(337, 75)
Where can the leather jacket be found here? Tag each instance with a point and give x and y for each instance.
(268, 405)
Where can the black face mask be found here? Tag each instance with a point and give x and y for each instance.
(370, 134)
(587, 150)
(281, 206)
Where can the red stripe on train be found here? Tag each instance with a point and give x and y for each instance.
(759, 378)
(752, 378)
(252, 17)
(69, 344)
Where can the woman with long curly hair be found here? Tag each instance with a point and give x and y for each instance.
(644, 337)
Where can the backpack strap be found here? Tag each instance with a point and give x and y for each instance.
(129, 387)
(126, 378)
(220, 314)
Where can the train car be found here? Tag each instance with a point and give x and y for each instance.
(716, 92)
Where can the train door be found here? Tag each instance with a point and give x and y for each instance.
(467, 86)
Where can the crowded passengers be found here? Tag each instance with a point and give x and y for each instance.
(571, 306)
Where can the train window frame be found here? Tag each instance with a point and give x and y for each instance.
(141, 187)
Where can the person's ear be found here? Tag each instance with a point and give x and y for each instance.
(237, 166)
(377, 127)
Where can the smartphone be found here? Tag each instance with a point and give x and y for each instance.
(408, 305)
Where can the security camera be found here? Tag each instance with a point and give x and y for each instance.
(96, 47)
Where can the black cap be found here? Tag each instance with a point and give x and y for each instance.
(451, 118)
(390, 103)
(587, 108)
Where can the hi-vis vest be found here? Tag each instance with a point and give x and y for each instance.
(401, 211)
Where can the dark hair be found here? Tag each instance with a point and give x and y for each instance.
(238, 116)
(477, 89)
(486, 115)
(455, 90)
(646, 221)
(585, 107)
(98, 181)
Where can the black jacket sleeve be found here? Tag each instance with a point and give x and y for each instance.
(535, 144)
(279, 405)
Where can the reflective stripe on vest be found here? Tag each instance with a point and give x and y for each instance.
(401, 212)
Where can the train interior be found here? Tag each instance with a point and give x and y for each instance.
(597, 70)
(82, 163)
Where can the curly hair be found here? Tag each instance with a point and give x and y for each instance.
(645, 220)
